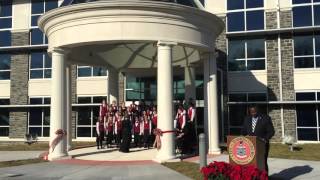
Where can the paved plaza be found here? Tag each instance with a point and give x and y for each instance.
(90, 163)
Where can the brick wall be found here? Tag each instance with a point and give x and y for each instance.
(271, 20)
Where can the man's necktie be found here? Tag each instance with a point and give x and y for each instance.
(254, 123)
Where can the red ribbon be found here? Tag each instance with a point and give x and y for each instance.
(60, 134)
(158, 133)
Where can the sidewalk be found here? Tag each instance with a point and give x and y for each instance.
(18, 155)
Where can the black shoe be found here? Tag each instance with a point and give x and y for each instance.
(98, 148)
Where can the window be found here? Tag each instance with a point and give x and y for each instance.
(308, 119)
(88, 71)
(40, 65)
(246, 54)
(238, 112)
(5, 61)
(306, 13)
(39, 7)
(4, 118)
(6, 14)
(145, 88)
(307, 51)
(245, 15)
(39, 117)
(88, 116)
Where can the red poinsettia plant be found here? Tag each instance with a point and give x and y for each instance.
(226, 171)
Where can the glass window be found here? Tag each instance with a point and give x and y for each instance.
(246, 54)
(4, 118)
(302, 16)
(235, 4)
(236, 21)
(37, 6)
(238, 112)
(306, 49)
(40, 65)
(5, 38)
(5, 61)
(5, 8)
(254, 3)
(300, 1)
(303, 45)
(305, 96)
(51, 4)
(245, 15)
(39, 117)
(307, 134)
(5, 23)
(255, 48)
(37, 37)
(255, 20)
(88, 116)
(88, 71)
(316, 10)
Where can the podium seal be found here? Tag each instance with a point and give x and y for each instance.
(241, 150)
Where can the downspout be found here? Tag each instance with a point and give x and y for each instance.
(280, 70)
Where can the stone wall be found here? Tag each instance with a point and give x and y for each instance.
(74, 98)
(286, 19)
(271, 20)
(287, 67)
(273, 86)
(121, 81)
(19, 86)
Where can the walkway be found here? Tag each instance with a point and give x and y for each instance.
(111, 164)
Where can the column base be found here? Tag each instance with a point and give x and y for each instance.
(215, 151)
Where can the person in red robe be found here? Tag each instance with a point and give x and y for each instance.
(137, 129)
(109, 130)
(146, 131)
(118, 128)
(103, 111)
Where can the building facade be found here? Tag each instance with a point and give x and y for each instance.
(269, 55)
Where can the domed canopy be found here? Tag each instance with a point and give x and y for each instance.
(183, 2)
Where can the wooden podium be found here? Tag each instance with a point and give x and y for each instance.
(246, 150)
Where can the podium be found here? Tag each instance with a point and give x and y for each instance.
(246, 150)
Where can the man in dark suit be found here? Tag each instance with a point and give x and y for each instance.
(259, 125)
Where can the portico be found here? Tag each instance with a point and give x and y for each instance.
(132, 34)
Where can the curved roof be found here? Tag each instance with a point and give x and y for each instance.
(183, 2)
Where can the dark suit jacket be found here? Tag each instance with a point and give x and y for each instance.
(264, 127)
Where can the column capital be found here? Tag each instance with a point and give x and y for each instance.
(59, 50)
(166, 43)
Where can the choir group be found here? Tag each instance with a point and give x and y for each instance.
(119, 123)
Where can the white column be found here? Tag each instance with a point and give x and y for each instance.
(190, 82)
(69, 106)
(58, 105)
(211, 102)
(164, 101)
(113, 86)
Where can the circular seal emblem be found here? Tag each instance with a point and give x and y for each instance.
(241, 150)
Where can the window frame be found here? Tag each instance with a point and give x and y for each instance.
(43, 69)
(311, 4)
(245, 10)
(246, 59)
(8, 29)
(7, 70)
(32, 27)
(317, 107)
(314, 55)
(91, 72)
(6, 126)
(247, 97)
(93, 124)
(42, 126)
